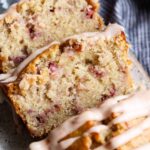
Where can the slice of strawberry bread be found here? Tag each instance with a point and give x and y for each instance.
(31, 24)
(70, 77)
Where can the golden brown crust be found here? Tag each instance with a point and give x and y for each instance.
(83, 143)
(95, 4)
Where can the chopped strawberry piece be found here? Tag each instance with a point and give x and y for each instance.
(40, 119)
(113, 91)
(77, 47)
(17, 60)
(32, 31)
(77, 109)
(89, 13)
(34, 35)
(53, 67)
(30, 111)
(38, 71)
(96, 72)
(57, 107)
(48, 111)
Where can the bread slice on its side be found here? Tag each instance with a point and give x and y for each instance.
(70, 77)
(32, 24)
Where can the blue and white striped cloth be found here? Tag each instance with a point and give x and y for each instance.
(134, 15)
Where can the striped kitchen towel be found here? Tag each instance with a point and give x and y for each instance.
(134, 15)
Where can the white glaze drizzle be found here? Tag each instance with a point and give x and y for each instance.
(132, 108)
(110, 31)
(41, 145)
(66, 143)
(5, 76)
(130, 134)
(144, 147)
(124, 105)
(96, 129)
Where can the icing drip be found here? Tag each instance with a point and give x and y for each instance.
(137, 106)
(144, 147)
(65, 144)
(42, 145)
(130, 134)
(112, 30)
(5, 76)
